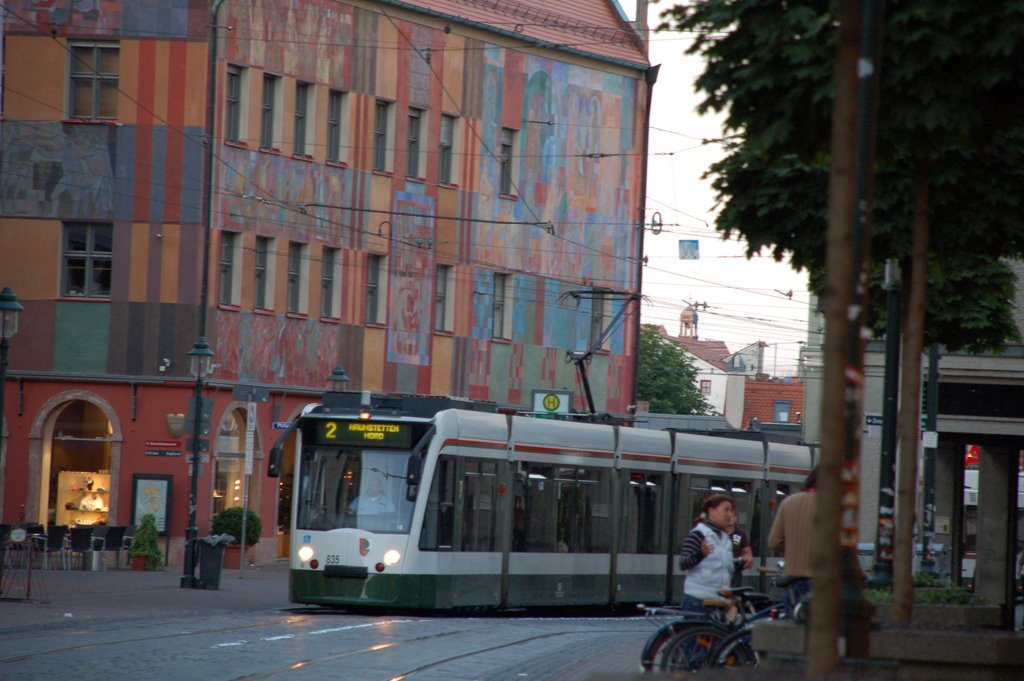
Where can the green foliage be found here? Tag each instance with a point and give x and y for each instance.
(950, 595)
(922, 580)
(146, 542)
(667, 378)
(229, 521)
(949, 111)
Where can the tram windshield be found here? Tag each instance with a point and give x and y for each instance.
(358, 488)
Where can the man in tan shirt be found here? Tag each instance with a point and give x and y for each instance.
(791, 535)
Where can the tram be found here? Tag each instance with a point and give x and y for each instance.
(443, 504)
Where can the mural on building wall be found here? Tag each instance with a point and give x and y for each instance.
(292, 38)
(410, 284)
(52, 170)
(301, 201)
(99, 172)
(170, 19)
(274, 348)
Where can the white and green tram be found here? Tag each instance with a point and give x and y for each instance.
(409, 503)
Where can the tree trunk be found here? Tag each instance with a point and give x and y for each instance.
(910, 403)
(839, 297)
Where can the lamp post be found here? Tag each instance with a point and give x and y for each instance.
(201, 357)
(9, 309)
(337, 379)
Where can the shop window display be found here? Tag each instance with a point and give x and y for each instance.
(83, 498)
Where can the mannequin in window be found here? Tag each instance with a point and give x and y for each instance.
(92, 503)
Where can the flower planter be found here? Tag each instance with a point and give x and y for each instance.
(232, 556)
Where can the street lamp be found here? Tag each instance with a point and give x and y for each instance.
(337, 379)
(9, 309)
(200, 356)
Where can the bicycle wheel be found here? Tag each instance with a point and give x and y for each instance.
(653, 654)
(691, 649)
(734, 651)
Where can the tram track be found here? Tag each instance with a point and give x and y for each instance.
(127, 640)
(300, 646)
(411, 671)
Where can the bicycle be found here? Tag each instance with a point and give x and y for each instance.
(735, 649)
(686, 641)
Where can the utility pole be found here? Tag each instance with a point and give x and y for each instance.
(882, 573)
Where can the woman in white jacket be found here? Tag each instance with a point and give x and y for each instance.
(706, 557)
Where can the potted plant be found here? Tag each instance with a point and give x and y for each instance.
(229, 521)
(145, 548)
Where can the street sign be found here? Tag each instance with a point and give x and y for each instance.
(551, 401)
(250, 437)
(282, 425)
(204, 444)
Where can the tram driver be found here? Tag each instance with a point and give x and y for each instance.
(372, 501)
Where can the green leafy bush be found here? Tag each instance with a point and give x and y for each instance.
(146, 542)
(948, 595)
(229, 521)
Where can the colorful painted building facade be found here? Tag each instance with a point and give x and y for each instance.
(442, 197)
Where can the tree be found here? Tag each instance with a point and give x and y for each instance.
(950, 118)
(947, 172)
(666, 376)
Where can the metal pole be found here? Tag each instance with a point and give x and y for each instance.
(188, 579)
(3, 384)
(650, 78)
(882, 572)
(932, 438)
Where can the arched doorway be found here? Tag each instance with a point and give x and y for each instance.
(76, 482)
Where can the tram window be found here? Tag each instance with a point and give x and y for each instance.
(541, 508)
(478, 513)
(562, 509)
(439, 517)
(642, 517)
(356, 488)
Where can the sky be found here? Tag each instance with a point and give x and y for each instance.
(747, 300)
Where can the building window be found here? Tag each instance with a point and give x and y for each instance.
(298, 278)
(233, 105)
(263, 296)
(95, 68)
(413, 143)
(446, 150)
(88, 254)
(303, 93)
(444, 302)
(376, 270)
(705, 387)
(781, 410)
(330, 280)
(507, 159)
(268, 111)
(501, 310)
(230, 273)
(337, 126)
(381, 128)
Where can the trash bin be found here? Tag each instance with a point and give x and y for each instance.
(96, 561)
(211, 559)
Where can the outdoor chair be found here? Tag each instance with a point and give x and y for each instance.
(54, 541)
(82, 544)
(113, 540)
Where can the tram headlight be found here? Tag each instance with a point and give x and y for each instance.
(305, 553)
(392, 556)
